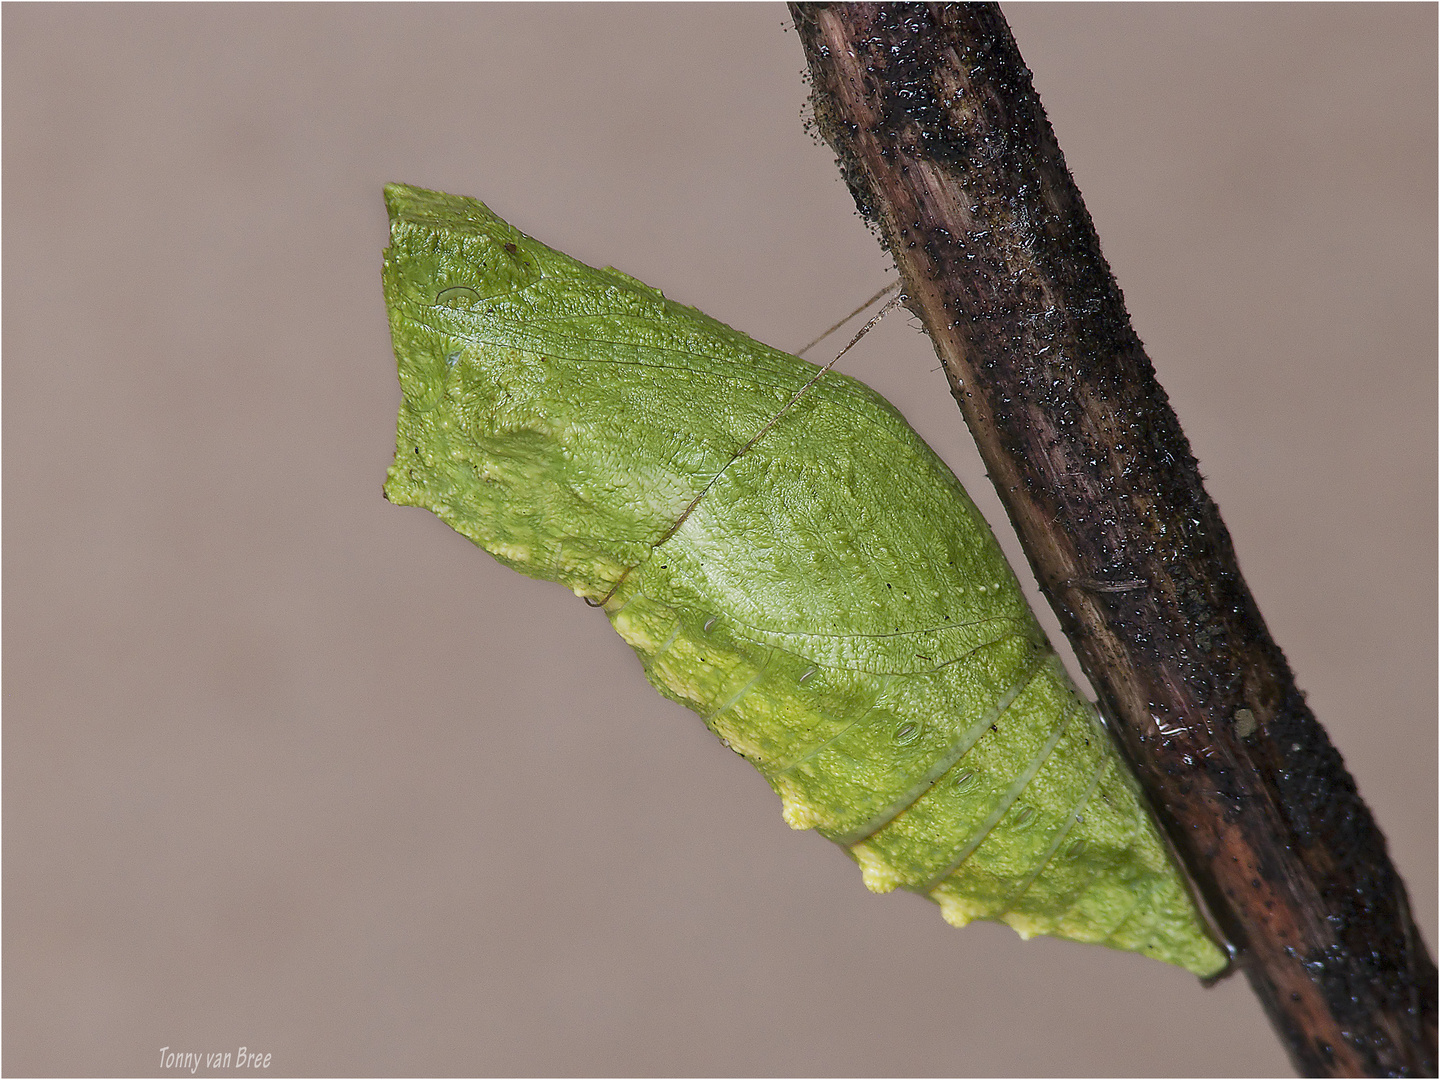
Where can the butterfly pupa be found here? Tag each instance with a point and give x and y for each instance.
(829, 600)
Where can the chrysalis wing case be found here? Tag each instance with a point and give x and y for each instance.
(829, 601)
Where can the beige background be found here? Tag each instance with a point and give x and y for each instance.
(289, 767)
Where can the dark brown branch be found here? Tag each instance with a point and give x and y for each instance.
(946, 148)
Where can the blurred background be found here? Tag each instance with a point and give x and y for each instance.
(290, 768)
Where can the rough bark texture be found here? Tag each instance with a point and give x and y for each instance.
(946, 148)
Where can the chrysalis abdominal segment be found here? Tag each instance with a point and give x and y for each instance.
(822, 593)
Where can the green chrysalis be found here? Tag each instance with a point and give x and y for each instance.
(825, 595)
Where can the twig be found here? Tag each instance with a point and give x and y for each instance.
(945, 146)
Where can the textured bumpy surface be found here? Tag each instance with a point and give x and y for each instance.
(829, 601)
